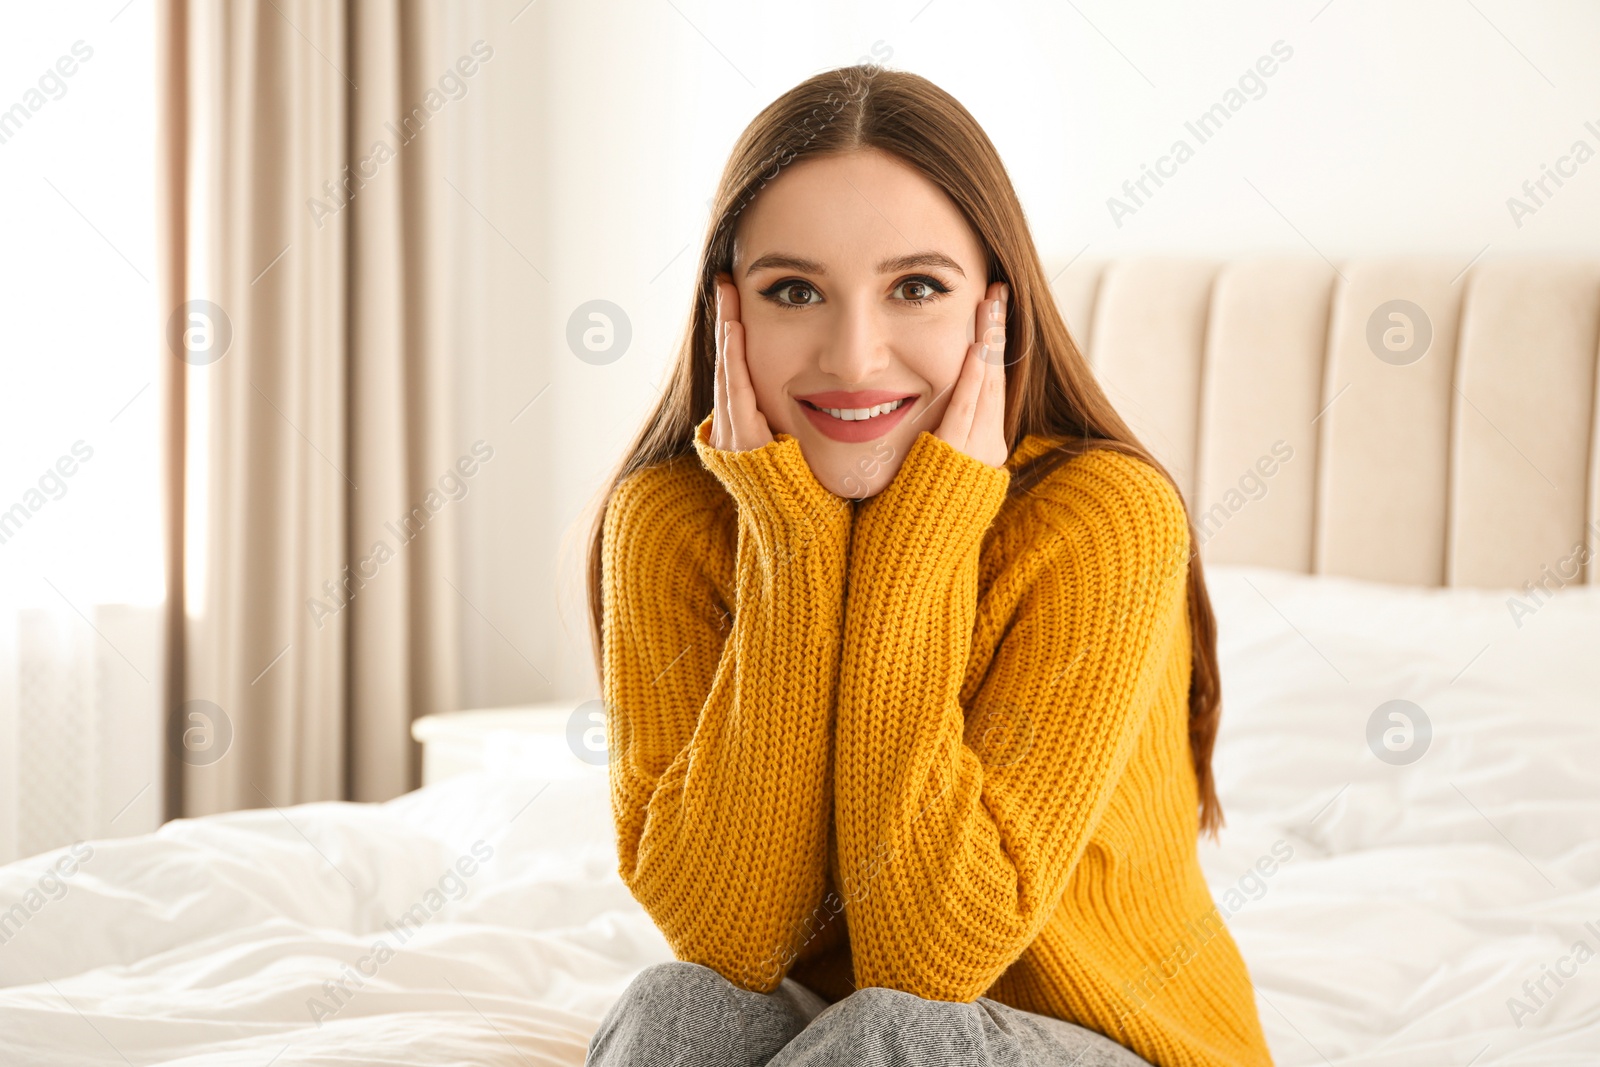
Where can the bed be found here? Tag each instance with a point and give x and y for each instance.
(1409, 623)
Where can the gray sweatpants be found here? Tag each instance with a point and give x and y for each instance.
(685, 1013)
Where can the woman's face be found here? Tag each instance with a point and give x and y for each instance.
(856, 275)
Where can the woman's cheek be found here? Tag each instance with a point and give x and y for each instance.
(767, 377)
(947, 341)
(937, 354)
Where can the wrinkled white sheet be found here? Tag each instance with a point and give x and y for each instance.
(1416, 900)
(1420, 896)
(210, 941)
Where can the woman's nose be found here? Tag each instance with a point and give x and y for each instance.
(857, 349)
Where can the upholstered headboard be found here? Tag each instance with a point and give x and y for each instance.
(1402, 420)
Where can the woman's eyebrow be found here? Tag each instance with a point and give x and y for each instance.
(888, 266)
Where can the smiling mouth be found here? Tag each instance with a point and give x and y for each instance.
(861, 414)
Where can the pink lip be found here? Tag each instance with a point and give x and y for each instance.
(856, 431)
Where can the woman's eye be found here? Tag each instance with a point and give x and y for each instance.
(921, 290)
(783, 294)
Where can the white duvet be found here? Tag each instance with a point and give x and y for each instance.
(1442, 909)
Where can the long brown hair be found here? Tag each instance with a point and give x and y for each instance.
(1050, 389)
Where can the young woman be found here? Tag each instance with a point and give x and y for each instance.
(909, 669)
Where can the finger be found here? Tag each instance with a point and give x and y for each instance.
(741, 394)
(758, 429)
(992, 333)
(730, 299)
(724, 403)
(970, 413)
(956, 426)
(988, 423)
(722, 420)
(980, 314)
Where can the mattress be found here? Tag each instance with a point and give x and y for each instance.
(1410, 867)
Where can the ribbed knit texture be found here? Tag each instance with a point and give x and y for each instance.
(935, 741)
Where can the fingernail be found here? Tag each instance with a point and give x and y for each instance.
(1005, 292)
(995, 314)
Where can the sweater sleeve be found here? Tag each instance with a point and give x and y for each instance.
(719, 716)
(961, 817)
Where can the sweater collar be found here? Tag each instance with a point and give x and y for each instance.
(1030, 446)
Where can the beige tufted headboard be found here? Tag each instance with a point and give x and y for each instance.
(1316, 425)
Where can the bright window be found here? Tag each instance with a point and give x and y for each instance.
(79, 327)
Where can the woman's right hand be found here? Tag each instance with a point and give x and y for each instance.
(737, 424)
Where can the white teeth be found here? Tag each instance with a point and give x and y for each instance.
(858, 414)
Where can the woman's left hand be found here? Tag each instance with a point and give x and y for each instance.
(974, 422)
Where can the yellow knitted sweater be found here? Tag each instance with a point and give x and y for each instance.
(936, 740)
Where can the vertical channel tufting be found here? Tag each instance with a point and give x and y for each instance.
(1523, 426)
(1149, 344)
(1591, 529)
(1471, 460)
(1261, 390)
(1383, 478)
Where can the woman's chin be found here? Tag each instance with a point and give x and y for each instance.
(856, 493)
(852, 471)
(852, 483)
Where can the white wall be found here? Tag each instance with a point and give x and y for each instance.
(591, 146)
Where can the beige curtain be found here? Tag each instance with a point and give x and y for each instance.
(308, 400)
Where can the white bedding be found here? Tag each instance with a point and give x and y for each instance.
(1416, 900)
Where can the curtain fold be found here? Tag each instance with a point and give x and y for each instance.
(310, 421)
